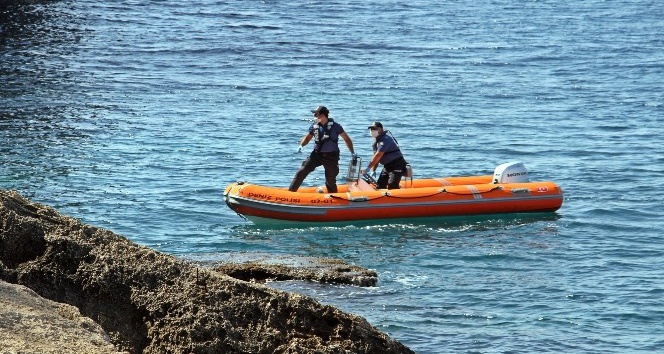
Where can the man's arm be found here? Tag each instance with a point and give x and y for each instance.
(349, 142)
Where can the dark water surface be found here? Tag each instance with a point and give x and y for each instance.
(134, 116)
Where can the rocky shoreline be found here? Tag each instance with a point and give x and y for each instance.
(261, 268)
(117, 296)
(31, 324)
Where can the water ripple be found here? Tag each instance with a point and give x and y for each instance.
(134, 116)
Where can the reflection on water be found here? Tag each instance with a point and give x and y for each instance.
(37, 44)
(443, 223)
(134, 116)
(38, 95)
(372, 243)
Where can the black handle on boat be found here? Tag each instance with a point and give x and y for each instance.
(367, 178)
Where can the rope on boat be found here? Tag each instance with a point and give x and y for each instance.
(356, 199)
(387, 194)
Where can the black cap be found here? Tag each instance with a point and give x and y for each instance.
(321, 110)
(376, 125)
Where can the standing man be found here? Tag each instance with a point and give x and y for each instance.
(326, 133)
(386, 152)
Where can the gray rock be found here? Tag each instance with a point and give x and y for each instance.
(260, 267)
(149, 302)
(31, 324)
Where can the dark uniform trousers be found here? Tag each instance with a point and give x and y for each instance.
(329, 160)
(391, 174)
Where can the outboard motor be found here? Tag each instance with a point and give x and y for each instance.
(354, 169)
(511, 172)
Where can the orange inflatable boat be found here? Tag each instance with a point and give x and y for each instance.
(508, 190)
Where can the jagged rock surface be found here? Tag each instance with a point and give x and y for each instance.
(31, 324)
(148, 302)
(280, 268)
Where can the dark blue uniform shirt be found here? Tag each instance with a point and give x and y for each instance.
(388, 146)
(333, 131)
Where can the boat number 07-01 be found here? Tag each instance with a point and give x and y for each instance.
(323, 201)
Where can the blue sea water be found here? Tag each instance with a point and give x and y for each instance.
(134, 116)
